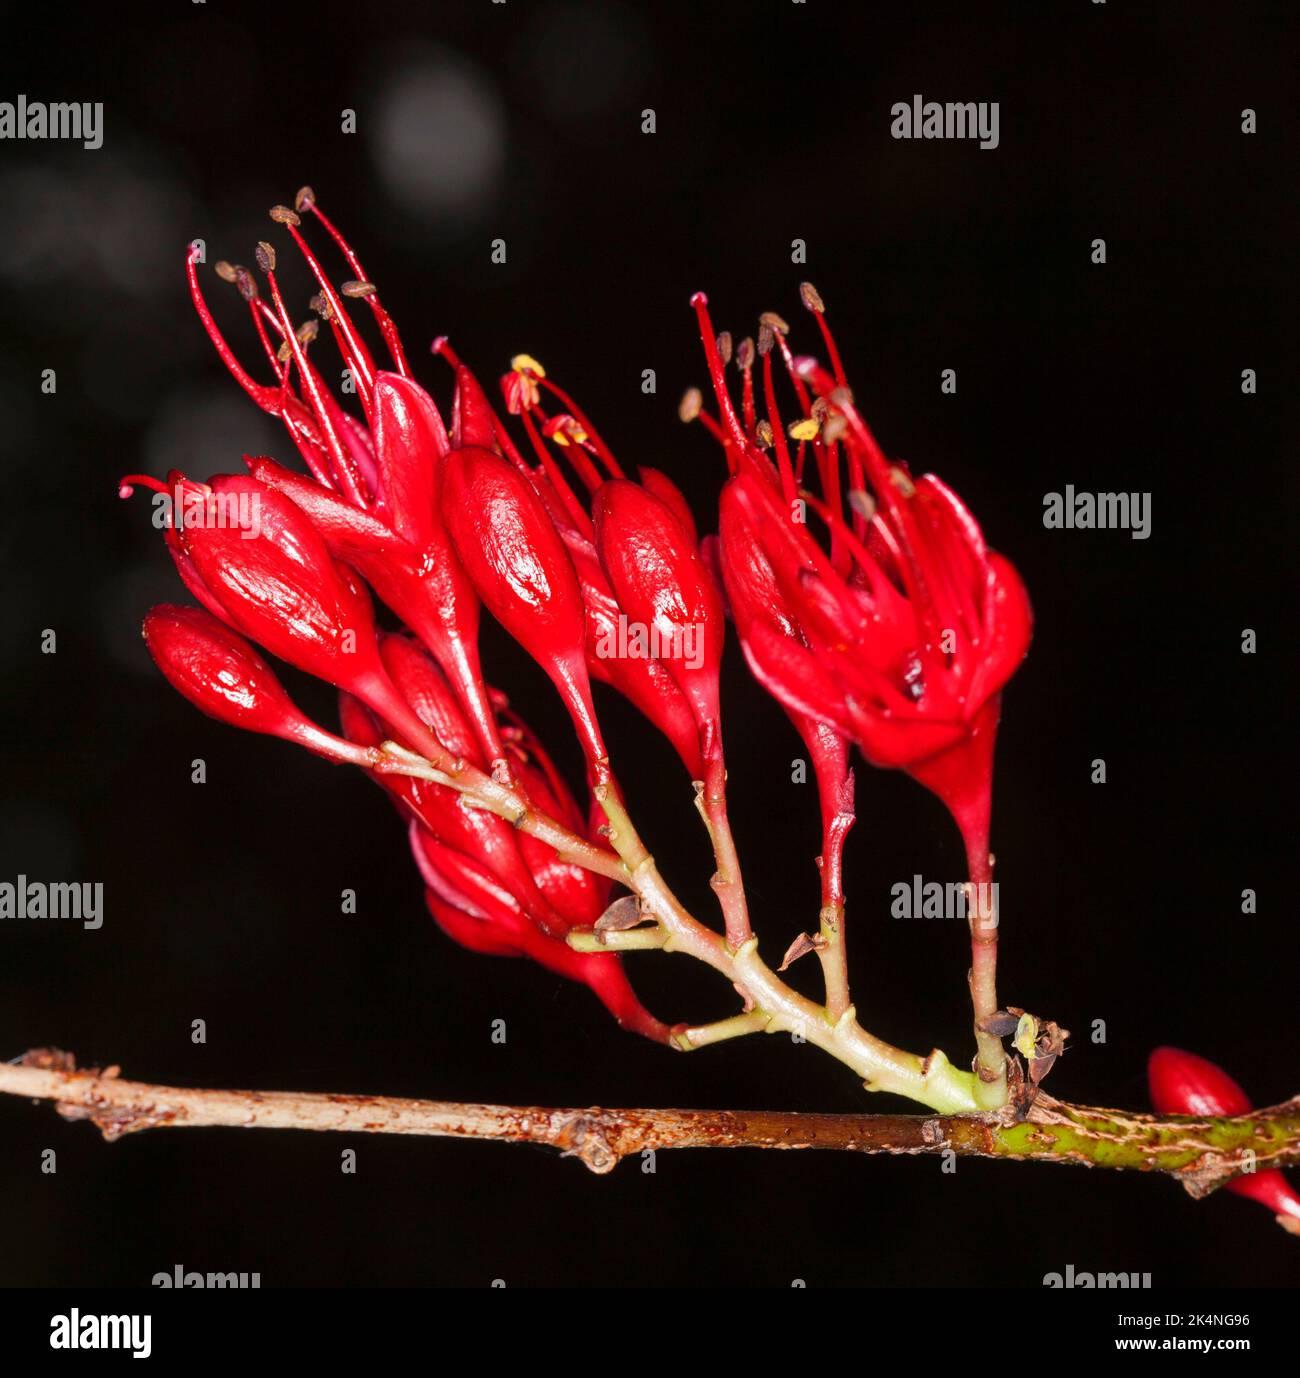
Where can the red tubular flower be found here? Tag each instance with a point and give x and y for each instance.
(643, 680)
(1183, 1084)
(425, 586)
(475, 913)
(517, 562)
(380, 477)
(577, 895)
(269, 575)
(902, 633)
(655, 571)
(219, 672)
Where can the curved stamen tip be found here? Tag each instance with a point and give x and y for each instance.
(724, 346)
(358, 289)
(699, 299)
(282, 215)
(812, 298)
(689, 407)
(127, 484)
(745, 354)
(304, 199)
(265, 256)
(438, 345)
(774, 322)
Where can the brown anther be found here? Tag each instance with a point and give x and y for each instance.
(304, 199)
(307, 331)
(358, 289)
(860, 501)
(724, 346)
(811, 297)
(818, 410)
(745, 354)
(833, 429)
(282, 215)
(689, 407)
(246, 283)
(764, 433)
(766, 339)
(842, 397)
(265, 256)
(285, 352)
(900, 479)
(770, 318)
(224, 270)
(320, 304)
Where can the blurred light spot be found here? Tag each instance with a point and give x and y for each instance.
(438, 136)
(107, 221)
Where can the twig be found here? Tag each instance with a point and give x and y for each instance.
(1201, 1153)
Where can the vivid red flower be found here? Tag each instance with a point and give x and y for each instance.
(512, 552)
(1184, 1084)
(290, 577)
(653, 564)
(902, 629)
(373, 491)
(483, 917)
(219, 672)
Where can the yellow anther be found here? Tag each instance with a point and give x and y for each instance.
(807, 429)
(525, 363)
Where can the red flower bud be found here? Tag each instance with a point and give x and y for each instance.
(656, 574)
(219, 672)
(642, 680)
(657, 482)
(440, 809)
(516, 560)
(471, 416)
(267, 572)
(426, 588)
(473, 912)
(1183, 1084)
(410, 441)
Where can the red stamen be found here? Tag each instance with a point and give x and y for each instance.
(305, 200)
(577, 513)
(351, 346)
(266, 398)
(813, 301)
(788, 487)
(729, 418)
(341, 460)
(582, 419)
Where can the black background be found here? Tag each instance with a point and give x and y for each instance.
(1121, 902)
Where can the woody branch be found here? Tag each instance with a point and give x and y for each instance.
(1201, 1153)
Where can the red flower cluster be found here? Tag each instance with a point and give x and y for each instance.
(898, 636)
(900, 632)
